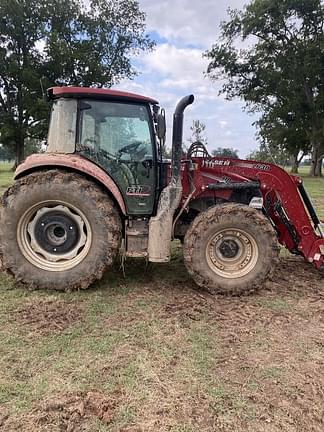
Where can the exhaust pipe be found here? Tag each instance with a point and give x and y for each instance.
(177, 135)
(160, 226)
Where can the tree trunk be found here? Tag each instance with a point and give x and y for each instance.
(294, 164)
(318, 167)
(315, 155)
(20, 137)
(20, 153)
(317, 161)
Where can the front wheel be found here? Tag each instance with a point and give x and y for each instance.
(230, 249)
(58, 230)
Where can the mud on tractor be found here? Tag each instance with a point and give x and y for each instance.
(104, 188)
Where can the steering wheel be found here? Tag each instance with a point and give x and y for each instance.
(92, 151)
(130, 147)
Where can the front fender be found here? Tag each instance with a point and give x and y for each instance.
(76, 163)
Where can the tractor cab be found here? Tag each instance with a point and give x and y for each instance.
(115, 130)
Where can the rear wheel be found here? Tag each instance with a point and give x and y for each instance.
(231, 248)
(58, 230)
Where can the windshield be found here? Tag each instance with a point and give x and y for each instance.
(62, 129)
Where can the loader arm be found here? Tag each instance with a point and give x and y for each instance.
(285, 201)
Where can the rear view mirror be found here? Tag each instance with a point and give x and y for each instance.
(161, 125)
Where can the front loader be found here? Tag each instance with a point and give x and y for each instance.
(103, 188)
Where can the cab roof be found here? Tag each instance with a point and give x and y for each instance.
(97, 93)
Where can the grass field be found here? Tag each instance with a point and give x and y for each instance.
(315, 188)
(6, 174)
(150, 352)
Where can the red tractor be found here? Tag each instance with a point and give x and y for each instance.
(103, 188)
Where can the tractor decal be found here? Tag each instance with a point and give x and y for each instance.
(215, 163)
(138, 190)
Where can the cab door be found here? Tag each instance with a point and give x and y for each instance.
(118, 136)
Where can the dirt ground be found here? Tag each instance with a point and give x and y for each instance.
(47, 316)
(157, 354)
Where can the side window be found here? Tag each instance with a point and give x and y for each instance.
(62, 130)
(128, 135)
(115, 129)
(87, 135)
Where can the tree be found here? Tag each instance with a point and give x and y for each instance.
(197, 132)
(278, 71)
(6, 154)
(271, 154)
(260, 154)
(225, 152)
(285, 138)
(61, 42)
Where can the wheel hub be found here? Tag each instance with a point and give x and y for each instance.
(55, 231)
(229, 248)
(232, 253)
(54, 235)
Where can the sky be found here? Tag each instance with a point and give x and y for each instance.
(183, 30)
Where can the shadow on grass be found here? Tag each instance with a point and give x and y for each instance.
(134, 274)
(137, 272)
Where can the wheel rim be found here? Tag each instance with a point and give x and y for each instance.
(232, 253)
(54, 235)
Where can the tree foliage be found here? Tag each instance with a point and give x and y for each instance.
(225, 152)
(278, 70)
(284, 138)
(270, 153)
(61, 42)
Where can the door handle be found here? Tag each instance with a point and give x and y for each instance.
(148, 164)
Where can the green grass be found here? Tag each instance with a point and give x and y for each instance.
(315, 189)
(277, 304)
(6, 175)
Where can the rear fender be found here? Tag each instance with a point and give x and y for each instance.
(73, 162)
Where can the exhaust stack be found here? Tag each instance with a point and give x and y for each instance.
(177, 134)
(160, 226)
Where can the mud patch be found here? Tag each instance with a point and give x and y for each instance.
(68, 413)
(3, 416)
(295, 276)
(47, 316)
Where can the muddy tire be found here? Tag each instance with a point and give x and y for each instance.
(58, 231)
(230, 249)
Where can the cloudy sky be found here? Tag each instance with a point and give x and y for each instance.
(183, 30)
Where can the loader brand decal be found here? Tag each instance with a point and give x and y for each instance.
(138, 190)
(262, 167)
(215, 163)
